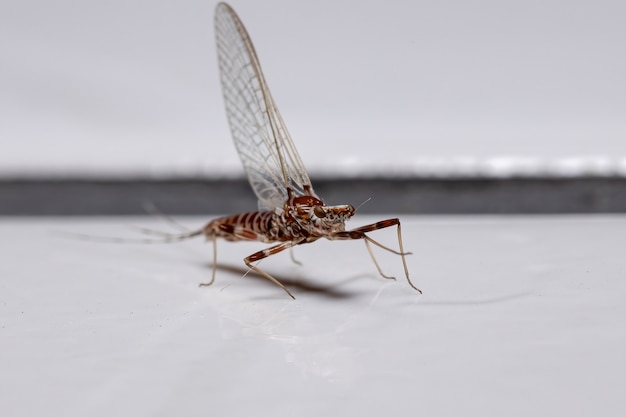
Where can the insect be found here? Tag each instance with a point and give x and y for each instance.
(290, 213)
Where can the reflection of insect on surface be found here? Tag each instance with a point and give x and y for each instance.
(290, 212)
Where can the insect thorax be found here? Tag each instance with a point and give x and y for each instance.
(309, 217)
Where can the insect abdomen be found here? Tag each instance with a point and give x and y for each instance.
(255, 225)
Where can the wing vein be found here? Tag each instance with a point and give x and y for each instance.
(265, 147)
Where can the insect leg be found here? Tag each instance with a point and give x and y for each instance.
(360, 233)
(293, 258)
(273, 250)
(214, 269)
(380, 271)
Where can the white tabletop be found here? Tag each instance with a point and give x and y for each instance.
(520, 316)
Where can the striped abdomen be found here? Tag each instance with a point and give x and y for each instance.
(255, 225)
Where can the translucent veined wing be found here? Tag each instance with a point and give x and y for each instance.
(261, 137)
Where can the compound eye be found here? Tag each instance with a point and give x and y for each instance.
(319, 212)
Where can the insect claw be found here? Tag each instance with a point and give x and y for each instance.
(293, 258)
(414, 287)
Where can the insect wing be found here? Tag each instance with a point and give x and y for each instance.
(260, 135)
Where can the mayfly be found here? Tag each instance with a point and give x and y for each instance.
(290, 213)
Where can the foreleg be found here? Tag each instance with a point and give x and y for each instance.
(360, 233)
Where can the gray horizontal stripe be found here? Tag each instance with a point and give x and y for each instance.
(392, 196)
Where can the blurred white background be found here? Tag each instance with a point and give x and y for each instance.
(123, 88)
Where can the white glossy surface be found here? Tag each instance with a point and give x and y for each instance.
(520, 316)
(123, 88)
